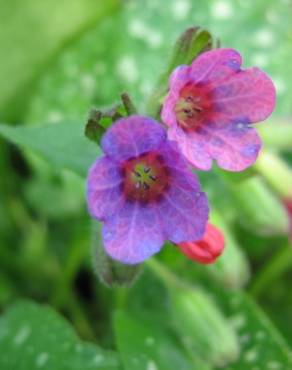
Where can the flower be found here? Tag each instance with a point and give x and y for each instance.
(206, 250)
(143, 191)
(210, 106)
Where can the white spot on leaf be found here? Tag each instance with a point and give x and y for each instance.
(264, 37)
(22, 335)
(251, 355)
(151, 366)
(222, 10)
(180, 9)
(127, 69)
(149, 341)
(42, 359)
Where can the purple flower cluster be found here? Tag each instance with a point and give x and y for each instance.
(143, 188)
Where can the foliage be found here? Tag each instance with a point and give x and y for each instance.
(60, 59)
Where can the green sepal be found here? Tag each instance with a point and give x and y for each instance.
(110, 272)
(189, 46)
(100, 120)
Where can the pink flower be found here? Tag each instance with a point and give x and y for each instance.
(210, 106)
(206, 250)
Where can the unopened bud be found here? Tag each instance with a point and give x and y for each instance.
(206, 250)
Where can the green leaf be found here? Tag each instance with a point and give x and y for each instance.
(34, 337)
(63, 145)
(232, 267)
(262, 346)
(32, 32)
(95, 73)
(260, 208)
(146, 346)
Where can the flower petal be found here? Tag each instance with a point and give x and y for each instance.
(193, 147)
(248, 95)
(183, 209)
(235, 147)
(183, 214)
(179, 77)
(216, 64)
(134, 234)
(132, 136)
(104, 195)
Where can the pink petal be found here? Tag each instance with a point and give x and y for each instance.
(216, 64)
(234, 147)
(179, 77)
(248, 95)
(193, 147)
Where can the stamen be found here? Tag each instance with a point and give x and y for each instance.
(137, 173)
(146, 186)
(152, 177)
(146, 169)
(187, 111)
(138, 185)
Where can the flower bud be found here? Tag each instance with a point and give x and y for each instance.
(206, 250)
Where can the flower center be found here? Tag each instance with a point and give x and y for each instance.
(192, 106)
(145, 178)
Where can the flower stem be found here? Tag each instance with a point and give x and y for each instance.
(164, 274)
(279, 263)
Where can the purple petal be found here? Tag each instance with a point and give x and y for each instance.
(104, 195)
(131, 136)
(249, 93)
(184, 213)
(216, 64)
(134, 234)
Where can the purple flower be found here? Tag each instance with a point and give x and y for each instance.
(144, 191)
(210, 107)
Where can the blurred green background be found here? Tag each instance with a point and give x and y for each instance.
(59, 59)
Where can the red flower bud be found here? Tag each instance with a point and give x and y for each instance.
(206, 250)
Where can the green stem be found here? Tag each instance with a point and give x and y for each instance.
(278, 265)
(164, 274)
(128, 104)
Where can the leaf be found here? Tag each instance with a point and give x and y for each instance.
(63, 145)
(202, 327)
(35, 337)
(95, 73)
(146, 346)
(261, 344)
(32, 32)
